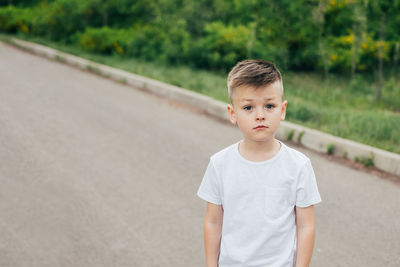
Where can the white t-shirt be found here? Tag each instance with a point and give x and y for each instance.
(258, 199)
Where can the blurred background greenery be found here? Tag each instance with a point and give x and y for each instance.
(339, 59)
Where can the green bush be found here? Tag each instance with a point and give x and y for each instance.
(330, 149)
(300, 136)
(340, 53)
(147, 42)
(224, 45)
(14, 20)
(106, 40)
(290, 134)
(58, 20)
(367, 161)
(142, 42)
(176, 44)
(273, 52)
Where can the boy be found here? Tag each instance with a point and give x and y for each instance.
(259, 192)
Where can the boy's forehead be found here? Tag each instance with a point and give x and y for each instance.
(268, 92)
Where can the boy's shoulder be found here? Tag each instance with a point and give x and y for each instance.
(224, 153)
(295, 155)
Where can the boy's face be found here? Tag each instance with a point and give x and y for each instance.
(258, 112)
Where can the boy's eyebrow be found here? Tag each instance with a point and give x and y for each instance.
(266, 98)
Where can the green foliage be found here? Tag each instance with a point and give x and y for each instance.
(338, 18)
(367, 161)
(368, 127)
(21, 3)
(304, 112)
(330, 149)
(222, 46)
(58, 20)
(176, 44)
(13, 20)
(147, 43)
(391, 97)
(105, 40)
(327, 36)
(290, 134)
(300, 136)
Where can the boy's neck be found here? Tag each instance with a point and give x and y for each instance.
(259, 151)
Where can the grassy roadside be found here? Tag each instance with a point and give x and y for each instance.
(335, 105)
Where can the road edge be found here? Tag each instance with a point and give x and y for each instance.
(309, 138)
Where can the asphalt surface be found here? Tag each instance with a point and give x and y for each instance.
(96, 173)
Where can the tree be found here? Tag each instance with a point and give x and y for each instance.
(359, 27)
(319, 19)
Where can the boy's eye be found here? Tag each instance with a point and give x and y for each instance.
(269, 106)
(247, 108)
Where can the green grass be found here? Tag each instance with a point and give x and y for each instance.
(336, 105)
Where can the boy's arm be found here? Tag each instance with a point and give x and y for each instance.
(212, 233)
(305, 227)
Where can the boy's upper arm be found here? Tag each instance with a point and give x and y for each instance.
(307, 190)
(305, 216)
(214, 213)
(209, 189)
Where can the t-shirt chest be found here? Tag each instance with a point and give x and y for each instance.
(251, 185)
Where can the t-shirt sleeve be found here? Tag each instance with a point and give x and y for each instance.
(209, 189)
(307, 193)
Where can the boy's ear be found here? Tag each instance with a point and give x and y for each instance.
(284, 105)
(232, 115)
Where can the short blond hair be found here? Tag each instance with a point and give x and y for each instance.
(253, 73)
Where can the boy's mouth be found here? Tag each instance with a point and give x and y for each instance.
(260, 127)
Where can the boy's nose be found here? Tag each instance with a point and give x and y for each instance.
(260, 115)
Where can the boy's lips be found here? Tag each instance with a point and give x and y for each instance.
(260, 127)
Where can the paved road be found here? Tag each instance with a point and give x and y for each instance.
(94, 173)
